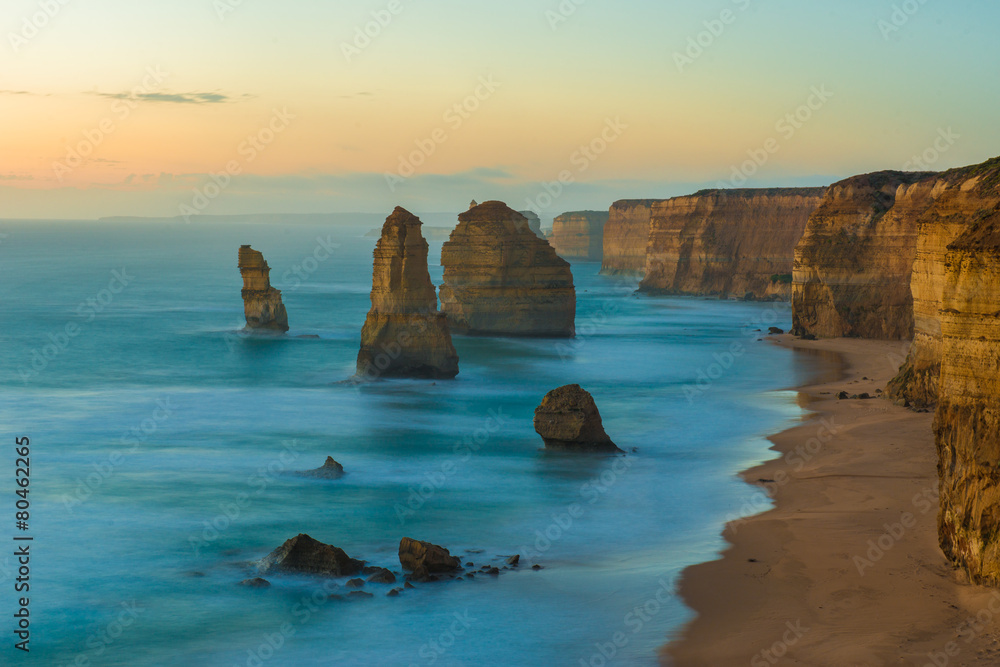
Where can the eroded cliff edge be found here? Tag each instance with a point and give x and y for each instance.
(626, 235)
(404, 334)
(262, 304)
(852, 268)
(727, 242)
(967, 423)
(500, 279)
(579, 235)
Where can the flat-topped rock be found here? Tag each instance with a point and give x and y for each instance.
(262, 304)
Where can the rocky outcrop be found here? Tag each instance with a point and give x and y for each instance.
(853, 265)
(534, 222)
(500, 279)
(404, 334)
(568, 419)
(579, 235)
(626, 235)
(958, 199)
(727, 243)
(302, 554)
(967, 423)
(261, 303)
(424, 558)
(329, 470)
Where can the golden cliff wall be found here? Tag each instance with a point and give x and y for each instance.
(727, 242)
(854, 262)
(626, 235)
(500, 279)
(579, 235)
(404, 334)
(967, 424)
(262, 304)
(959, 198)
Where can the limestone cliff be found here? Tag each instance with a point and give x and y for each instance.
(579, 235)
(501, 279)
(404, 334)
(626, 235)
(262, 304)
(958, 198)
(967, 424)
(727, 242)
(853, 264)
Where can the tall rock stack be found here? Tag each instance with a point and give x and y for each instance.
(500, 279)
(626, 235)
(728, 243)
(404, 334)
(261, 303)
(579, 235)
(534, 222)
(967, 424)
(956, 200)
(853, 264)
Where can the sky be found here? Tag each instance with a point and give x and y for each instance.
(221, 107)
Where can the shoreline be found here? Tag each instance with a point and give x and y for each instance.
(845, 568)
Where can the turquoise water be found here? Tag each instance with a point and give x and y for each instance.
(163, 447)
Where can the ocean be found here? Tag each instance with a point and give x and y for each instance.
(164, 446)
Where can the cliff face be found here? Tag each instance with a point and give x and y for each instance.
(967, 424)
(727, 242)
(534, 222)
(261, 303)
(501, 279)
(854, 262)
(958, 199)
(579, 235)
(626, 235)
(404, 334)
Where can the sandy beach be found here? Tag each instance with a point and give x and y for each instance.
(846, 569)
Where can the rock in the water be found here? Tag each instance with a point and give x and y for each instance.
(382, 576)
(329, 470)
(775, 331)
(534, 222)
(514, 561)
(500, 279)
(356, 583)
(404, 335)
(261, 303)
(418, 556)
(579, 235)
(306, 555)
(256, 582)
(568, 419)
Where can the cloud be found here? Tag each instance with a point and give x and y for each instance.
(22, 92)
(16, 177)
(176, 98)
(356, 95)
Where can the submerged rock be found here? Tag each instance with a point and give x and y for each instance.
(305, 555)
(256, 582)
(404, 334)
(568, 419)
(381, 576)
(426, 558)
(500, 279)
(262, 304)
(329, 470)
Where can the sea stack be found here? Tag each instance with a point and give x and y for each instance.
(404, 334)
(500, 279)
(568, 419)
(579, 235)
(261, 302)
